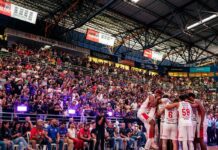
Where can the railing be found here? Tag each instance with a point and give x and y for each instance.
(9, 116)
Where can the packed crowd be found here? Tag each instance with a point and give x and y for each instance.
(38, 80)
(50, 82)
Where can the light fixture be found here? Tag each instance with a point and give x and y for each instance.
(71, 111)
(21, 108)
(135, 1)
(202, 21)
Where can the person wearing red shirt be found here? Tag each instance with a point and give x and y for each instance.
(37, 134)
(85, 135)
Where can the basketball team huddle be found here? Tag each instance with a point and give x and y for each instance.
(181, 121)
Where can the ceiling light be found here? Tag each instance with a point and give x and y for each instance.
(202, 21)
(135, 1)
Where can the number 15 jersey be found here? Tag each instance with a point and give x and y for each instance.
(185, 114)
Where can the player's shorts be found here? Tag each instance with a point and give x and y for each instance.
(142, 115)
(161, 129)
(185, 133)
(170, 131)
(200, 131)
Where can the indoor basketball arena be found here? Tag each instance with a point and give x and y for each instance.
(108, 75)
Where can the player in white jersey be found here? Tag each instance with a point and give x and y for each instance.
(185, 134)
(160, 113)
(198, 118)
(146, 114)
(170, 127)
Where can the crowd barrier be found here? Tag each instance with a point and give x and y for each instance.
(10, 116)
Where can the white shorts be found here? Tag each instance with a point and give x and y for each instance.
(170, 131)
(186, 133)
(161, 130)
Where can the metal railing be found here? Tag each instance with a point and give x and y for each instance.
(10, 116)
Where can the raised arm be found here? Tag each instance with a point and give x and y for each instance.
(170, 106)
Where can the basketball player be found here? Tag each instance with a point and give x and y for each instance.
(198, 118)
(170, 127)
(184, 122)
(146, 114)
(160, 113)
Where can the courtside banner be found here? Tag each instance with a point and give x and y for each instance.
(14, 11)
(98, 37)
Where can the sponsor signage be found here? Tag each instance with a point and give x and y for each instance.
(200, 69)
(18, 12)
(153, 54)
(104, 56)
(98, 37)
(41, 39)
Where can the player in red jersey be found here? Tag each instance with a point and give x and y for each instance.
(200, 115)
(146, 114)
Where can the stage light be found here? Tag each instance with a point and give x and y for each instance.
(72, 111)
(135, 1)
(202, 21)
(110, 114)
(21, 108)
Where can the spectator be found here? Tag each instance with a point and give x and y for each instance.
(85, 135)
(125, 134)
(17, 137)
(110, 135)
(3, 144)
(6, 135)
(118, 138)
(63, 132)
(37, 134)
(72, 140)
(52, 135)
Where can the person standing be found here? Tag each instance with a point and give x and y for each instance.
(146, 114)
(100, 130)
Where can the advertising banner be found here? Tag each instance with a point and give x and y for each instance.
(200, 69)
(14, 11)
(153, 54)
(99, 37)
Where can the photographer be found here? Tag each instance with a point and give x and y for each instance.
(100, 129)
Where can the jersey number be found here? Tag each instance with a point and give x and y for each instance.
(185, 112)
(170, 114)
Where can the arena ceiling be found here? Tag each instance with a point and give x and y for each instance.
(160, 25)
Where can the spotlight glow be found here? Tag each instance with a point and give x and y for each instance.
(72, 111)
(22, 108)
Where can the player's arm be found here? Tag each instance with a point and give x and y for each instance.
(160, 112)
(202, 111)
(193, 104)
(171, 106)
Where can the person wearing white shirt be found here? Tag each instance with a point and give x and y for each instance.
(73, 141)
